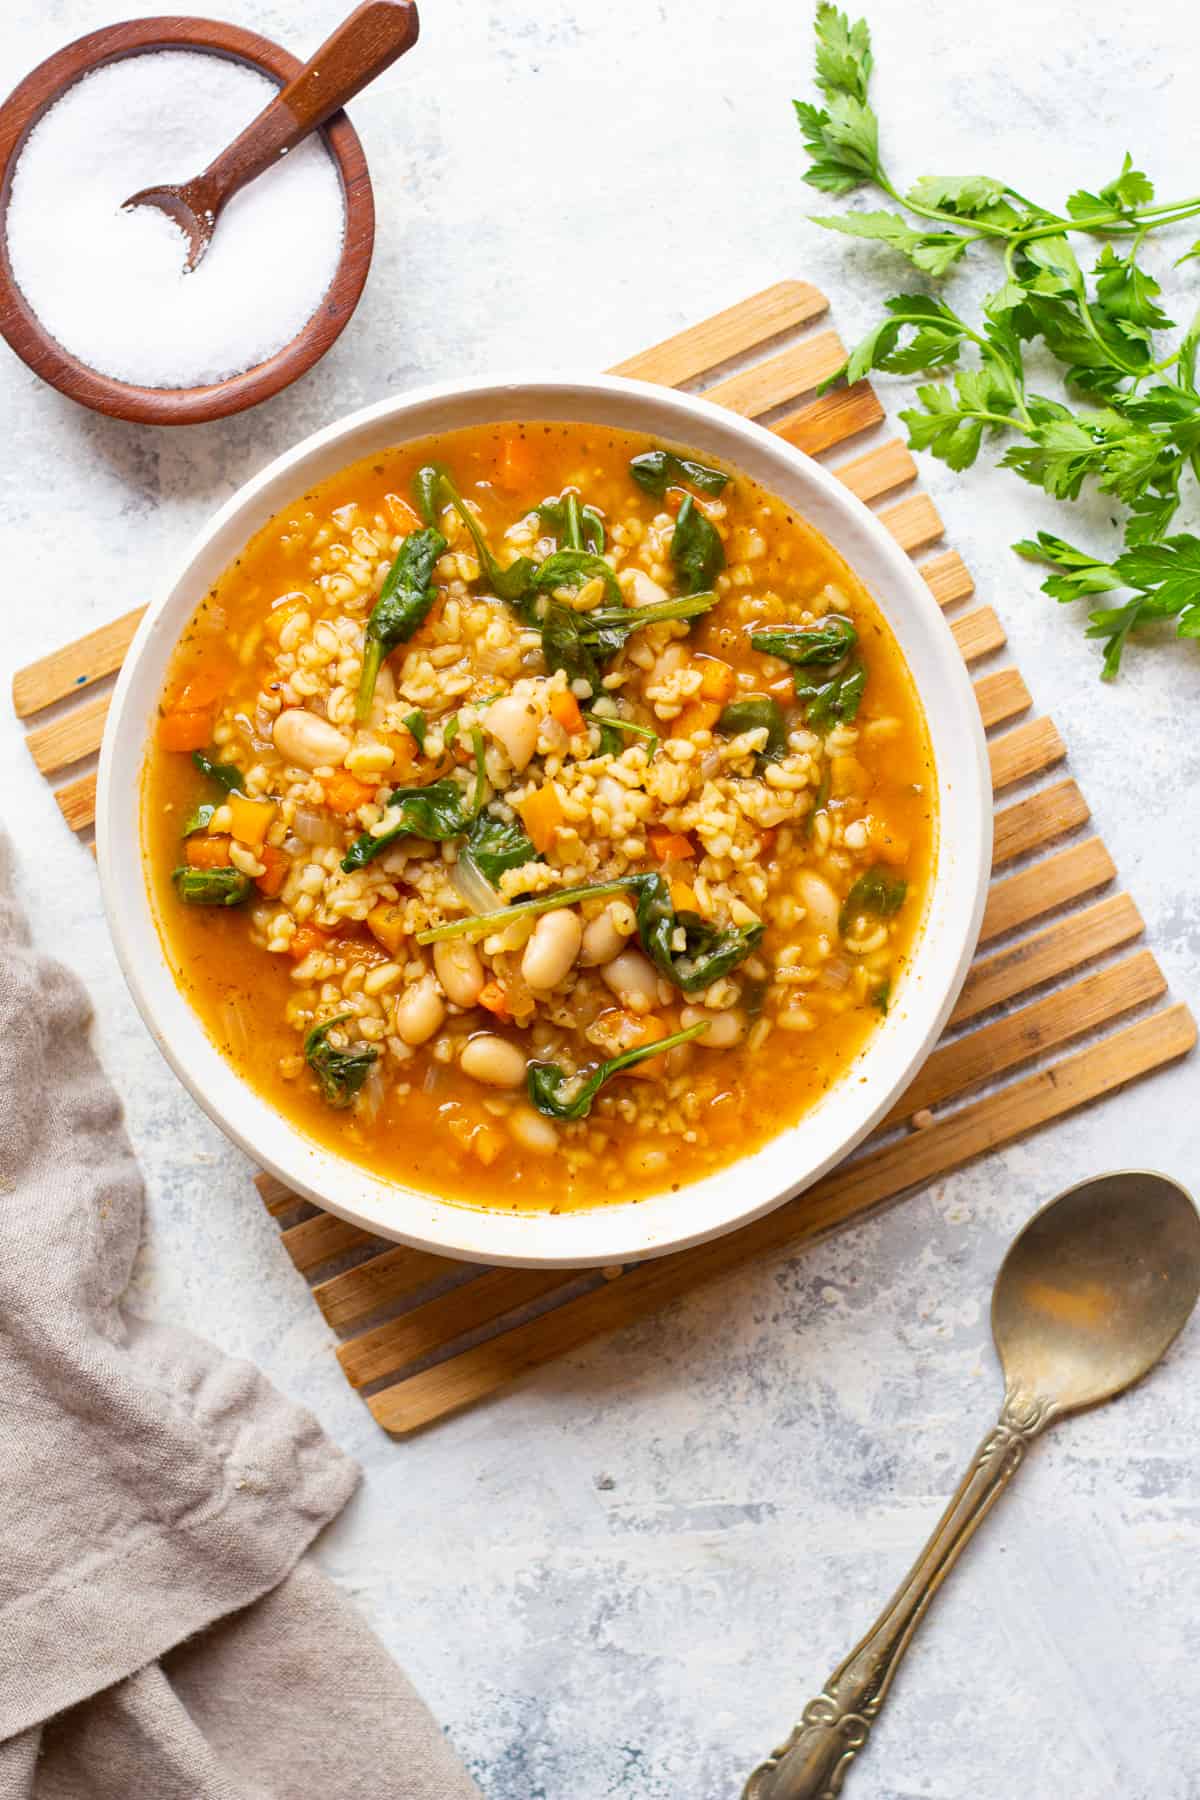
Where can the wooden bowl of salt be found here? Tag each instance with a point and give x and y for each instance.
(95, 300)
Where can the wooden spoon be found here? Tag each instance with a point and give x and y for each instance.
(362, 47)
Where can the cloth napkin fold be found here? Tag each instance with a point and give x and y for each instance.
(159, 1636)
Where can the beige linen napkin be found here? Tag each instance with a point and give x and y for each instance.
(159, 1637)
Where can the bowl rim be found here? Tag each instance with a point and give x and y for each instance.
(24, 331)
(754, 1183)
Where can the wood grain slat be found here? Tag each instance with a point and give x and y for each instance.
(1031, 748)
(374, 1354)
(948, 577)
(1002, 695)
(978, 634)
(75, 667)
(69, 739)
(1053, 881)
(77, 801)
(1020, 1036)
(878, 471)
(883, 1174)
(1036, 821)
(1071, 941)
(275, 1196)
(318, 1240)
(831, 418)
(727, 334)
(913, 523)
(780, 378)
(394, 1275)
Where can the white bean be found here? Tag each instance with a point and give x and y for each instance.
(602, 939)
(308, 742)
(552, 949)
(632, 978)
(459, 970)
(419, 1011)
(532, 1131)
(513, 723)
(818, 900)
(725, 1029)
(494, 1061)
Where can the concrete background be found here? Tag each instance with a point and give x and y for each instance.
(626, 1577)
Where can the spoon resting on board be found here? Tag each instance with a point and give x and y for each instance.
(1088, 1299)
(362, 47)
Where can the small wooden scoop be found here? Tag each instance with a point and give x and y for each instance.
(362, 47)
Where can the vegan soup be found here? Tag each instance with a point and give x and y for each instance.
(540, 816)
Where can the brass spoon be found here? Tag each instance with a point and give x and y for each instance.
(1089, 1297)
(362, 47)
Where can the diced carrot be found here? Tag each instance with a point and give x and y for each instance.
(275, 870)
(891, 845)
(697, 715)
(250, 819)
(306, 939)
(670, 846)
(683, 896)
(848, 778)
(516, 464)
(565, 708)
(784, 689)
(188, 730)
(641, 1031)
(208, 852)
(400, 514)
(542, 814)
(766, 840)
(493, 996)
(283, 609)
(386, 925)
(345, 793)
(717, 679)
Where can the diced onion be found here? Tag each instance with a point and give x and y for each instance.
(836, 973)
(475, 888)
(316, 828)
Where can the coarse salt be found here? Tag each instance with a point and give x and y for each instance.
(110, 285)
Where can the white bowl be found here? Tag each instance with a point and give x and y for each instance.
(800, 1153)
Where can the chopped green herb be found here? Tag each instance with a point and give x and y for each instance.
(212, 887)
(340, 1073)
(563, 1096)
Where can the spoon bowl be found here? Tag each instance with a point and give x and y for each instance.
(1096, 1287)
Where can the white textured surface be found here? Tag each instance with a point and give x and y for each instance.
(623, 1580)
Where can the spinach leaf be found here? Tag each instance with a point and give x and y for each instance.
(434, 489)
(612, 731)
(418, 725)
(480, 772)
(212, 887)
(198, 819)
(483, 923)
(340, 1073)
(709, 951)
(657, 470)
(835, 701)
(437, 812)
(754, 711)
(226, 775)
(830, 641)
(578, 527)
(876, 891)
(574, 569)
(607, 628)
(449, 732)
(563, 646)
(495, 847)
(696, 549)
(404, 602)
(563, 1096)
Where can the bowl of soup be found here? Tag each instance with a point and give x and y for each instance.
(545, 821)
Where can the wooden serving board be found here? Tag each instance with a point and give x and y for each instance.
(422, 1336)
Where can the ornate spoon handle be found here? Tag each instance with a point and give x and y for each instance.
(813, 1763)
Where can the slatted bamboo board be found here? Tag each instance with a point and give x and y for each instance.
(1060, 1006)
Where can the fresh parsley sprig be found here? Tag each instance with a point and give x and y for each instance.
(1135, 432)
